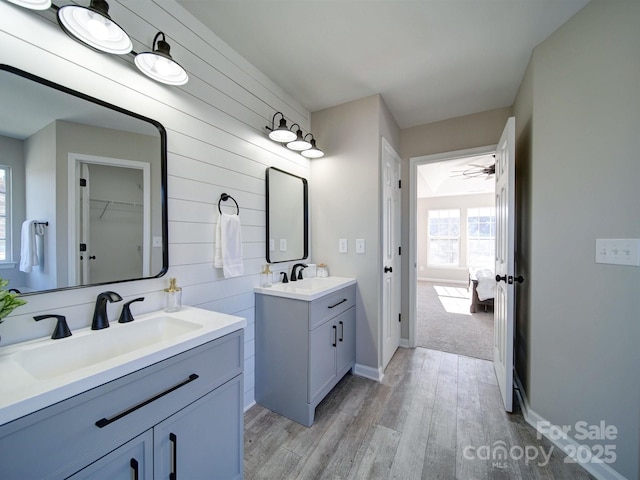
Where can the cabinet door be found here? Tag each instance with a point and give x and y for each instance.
(322, 358)
(346, 323)
(203, 440)
(133, 460)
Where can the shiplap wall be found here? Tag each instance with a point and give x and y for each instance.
(216, 143)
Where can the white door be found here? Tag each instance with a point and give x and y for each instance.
(504, 304)
(391, 255)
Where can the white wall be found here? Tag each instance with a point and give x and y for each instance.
(578, 113)
(216, 143)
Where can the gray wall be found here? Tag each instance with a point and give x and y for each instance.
(344, 198)
(578, 117)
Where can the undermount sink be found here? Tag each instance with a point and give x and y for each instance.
(307, 289)
(79, 351)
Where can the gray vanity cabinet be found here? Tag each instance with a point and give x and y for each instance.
(303, 349)
(125, 427)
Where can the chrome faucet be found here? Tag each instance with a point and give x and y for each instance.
(295, 277)
(100, 319)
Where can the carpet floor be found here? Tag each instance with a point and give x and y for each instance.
(444, 322)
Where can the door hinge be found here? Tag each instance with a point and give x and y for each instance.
(399, 183)
(83, 182)
(400, 317)
(399, 250)
(83, 247)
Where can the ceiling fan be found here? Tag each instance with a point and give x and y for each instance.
(476, 171)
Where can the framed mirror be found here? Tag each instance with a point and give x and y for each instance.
(287, 216)
(83, 188)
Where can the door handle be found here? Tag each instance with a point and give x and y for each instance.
(501, 279)
(335, 336)
(388, 269)
(173, 439)
(510, 279)
(134, 467)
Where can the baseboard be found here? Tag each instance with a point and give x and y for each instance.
(601, 471)
(404, 343)
(247, 407)
(371, 373)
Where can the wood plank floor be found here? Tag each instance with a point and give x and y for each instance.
(435, 415)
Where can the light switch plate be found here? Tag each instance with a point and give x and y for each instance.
(157, 241)
(343, 245)
(283, 244)
(360, 245)
(618, 251)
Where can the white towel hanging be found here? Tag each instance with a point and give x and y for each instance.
(28, 246)
(228, 245)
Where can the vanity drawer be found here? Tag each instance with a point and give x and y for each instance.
(331, 305)
(59, 440)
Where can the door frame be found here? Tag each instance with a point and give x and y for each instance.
(74, 162)
(414, 163)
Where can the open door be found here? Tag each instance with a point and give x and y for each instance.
(390, 252)
(504, 303)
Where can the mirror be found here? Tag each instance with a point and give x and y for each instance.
(82, 188)
(287, 216)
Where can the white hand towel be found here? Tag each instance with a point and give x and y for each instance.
(28, 247)
(228, 249)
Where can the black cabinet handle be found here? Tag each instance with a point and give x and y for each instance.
(174, 456)
(335, 336)
(341, 330)
(134, 467)
(340, 302)
(103, 422)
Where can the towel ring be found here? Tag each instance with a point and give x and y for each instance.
(223, 198)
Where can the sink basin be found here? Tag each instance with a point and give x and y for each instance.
(38, 373)
(307, 289)
(80, 351)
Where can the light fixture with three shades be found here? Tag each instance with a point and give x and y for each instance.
(293, 140)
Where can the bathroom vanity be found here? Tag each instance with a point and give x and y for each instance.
(305, 343)
(167, 406)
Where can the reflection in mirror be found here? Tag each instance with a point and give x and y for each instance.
(94, 172)
(287, 217)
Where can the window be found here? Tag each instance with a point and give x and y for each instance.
(444, 238)
(481, 237)
(5, 229)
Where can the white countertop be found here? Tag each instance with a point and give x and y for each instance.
(22, 393)
(307, 289)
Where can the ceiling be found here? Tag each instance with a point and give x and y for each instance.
(429, 59)
(455, 177)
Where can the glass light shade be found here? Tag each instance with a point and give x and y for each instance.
(282, 134)
(161, 68)
(32, 4)
(299, 144)
(94, 28)
(313, 152)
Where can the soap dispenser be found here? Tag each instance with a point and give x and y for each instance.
(173, 297)
(266, 277)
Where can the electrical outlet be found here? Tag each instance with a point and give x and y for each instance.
(343, 245)
(157, 241)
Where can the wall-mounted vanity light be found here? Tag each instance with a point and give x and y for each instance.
(282, 134)
(159, 65)
(33, 4)
(93, 27)
(313, 152)
(293, 141)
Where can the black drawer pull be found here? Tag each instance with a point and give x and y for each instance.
(106, 421)
(134, 467)
(341, 330)
(335, 336)
(341, 301)
(174, 456)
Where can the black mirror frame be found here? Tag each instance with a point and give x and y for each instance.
(163, 170)
(305, 190)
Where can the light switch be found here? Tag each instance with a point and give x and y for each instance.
(360, 245)
(618, 251)
(157, 241)
(283, 244)
(343, 245)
